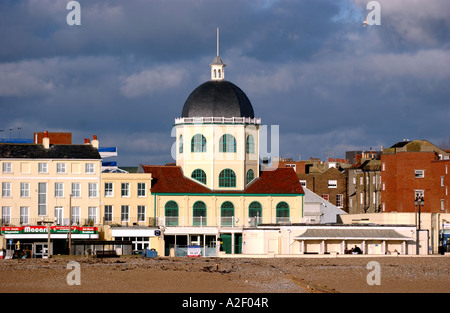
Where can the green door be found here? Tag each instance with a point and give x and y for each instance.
(226, 243)
(237, 243)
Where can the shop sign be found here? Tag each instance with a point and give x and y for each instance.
(43, 230)
(194, 251)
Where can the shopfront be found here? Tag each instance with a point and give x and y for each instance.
(34, 241)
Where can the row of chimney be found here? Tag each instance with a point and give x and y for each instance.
(87, 141)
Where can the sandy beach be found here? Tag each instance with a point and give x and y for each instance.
(227, 275)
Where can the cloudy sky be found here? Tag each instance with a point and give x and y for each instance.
(310, 67)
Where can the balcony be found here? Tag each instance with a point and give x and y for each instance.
(218, 221)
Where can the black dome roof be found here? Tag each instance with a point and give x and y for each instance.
(217, 98)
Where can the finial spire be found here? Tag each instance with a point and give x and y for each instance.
(217, 41)
(217, 66)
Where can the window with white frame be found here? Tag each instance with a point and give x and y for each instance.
(42, 199)
(361, 198)
(93, 190)
(92, 214)
(419, 193)
(76, 190)
(61, 168)
(7, 167)
(89, 168)
(109, 191)
(6, 189)
(24, 210)
(59, 190)
(141, 213)
(419, 173)
(332, 184)
(24, 190)
(108, 213)
(125, 189)
(42, 168)
(374, 195)
(142, 189)
(76, 215)
(325, 196)
(442, 204)
(6, 214)
(442, 181)
(125, 213)
(303, 183)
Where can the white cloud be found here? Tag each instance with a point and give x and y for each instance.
(153, 80)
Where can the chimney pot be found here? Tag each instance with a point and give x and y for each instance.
(86, 140)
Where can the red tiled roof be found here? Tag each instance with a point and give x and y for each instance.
(170, 179)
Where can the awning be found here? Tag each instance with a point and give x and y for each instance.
(351, 234)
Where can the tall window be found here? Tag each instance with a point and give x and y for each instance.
(125, 213)
(142, 187)
(171, 213)
(227, 178)
(199, 213)
(125, 189)
(93, 190)
(180, 144)
(6, 214)
(250, 145)
(59, 190)
(109, 192)
(227, 213)
(198, 143)
(340, 200)
(24, 190)
(108, 213)
(282, 212)
(255, 212)
(250, 175)
(42, 198)
(6, 189)
(141, 213)
(24, 214)
(76, 215)
(92, 215)
(199, 175)
(227, 143)
(76, 190)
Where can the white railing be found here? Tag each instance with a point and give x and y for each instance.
(219, 221)
(217, 120)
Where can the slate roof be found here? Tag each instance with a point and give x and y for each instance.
(37, 151)
(170, 179)
(218, 99)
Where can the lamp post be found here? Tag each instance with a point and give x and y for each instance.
(418, 202)
(70, 224)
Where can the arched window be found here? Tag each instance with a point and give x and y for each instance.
(250, 175)
(227, 178)
(250, 145)
(171, 213)
(180, 144)
(215, 74)
(227, 213)
(220, 74)
(199, 213)
(198, 143)
(282, 212)
(199, 175)
(227, 143)
(255, 212)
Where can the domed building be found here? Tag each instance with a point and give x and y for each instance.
(216, 188)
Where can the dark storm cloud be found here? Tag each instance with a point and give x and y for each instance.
(308, 66)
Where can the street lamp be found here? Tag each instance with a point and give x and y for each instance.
(419, 202)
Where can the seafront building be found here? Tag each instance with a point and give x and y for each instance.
(216, 199)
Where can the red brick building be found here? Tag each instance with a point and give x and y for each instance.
(412, 168)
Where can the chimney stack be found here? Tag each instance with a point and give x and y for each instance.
(95, 142)
(86, 141)
(46, 140)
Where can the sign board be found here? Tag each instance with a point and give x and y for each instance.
(194, 251)
(37, 229)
